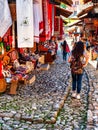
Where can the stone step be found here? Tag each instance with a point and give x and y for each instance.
(32, 79)
(44, 67)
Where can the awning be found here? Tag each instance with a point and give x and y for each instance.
(71, 29)
(64, 21)
(54, 2)
(84, 11)
(85, 1)
(63, 12)
(93, 1)
(77, 23)
(68, 2)
(83, 16)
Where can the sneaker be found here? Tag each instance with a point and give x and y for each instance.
(74, 94)
(78, 96)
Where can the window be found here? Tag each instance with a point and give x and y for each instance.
(76, 2)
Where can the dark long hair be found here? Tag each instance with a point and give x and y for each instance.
(78, 50)
(64, 44)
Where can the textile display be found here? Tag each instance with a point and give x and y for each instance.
(36, 22)
(57, 24)
(24, 9)
(0, 69)
(61, 28)
(6, 60)
(5, 17)
(13, 55)
(43, 35)
(47, 21)
(30, 66)
(38, 19)
(53, 15)
(46, 16)
(41, 17)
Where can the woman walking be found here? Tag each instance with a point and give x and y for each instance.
(65, 49)
(78, 59)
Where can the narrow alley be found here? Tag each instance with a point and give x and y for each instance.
(47, 104)
(48, 64)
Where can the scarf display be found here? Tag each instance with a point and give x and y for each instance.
(47, 21)
(24, 9)
(38, 19)
(5, 17)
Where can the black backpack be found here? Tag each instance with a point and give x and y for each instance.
(76, 66)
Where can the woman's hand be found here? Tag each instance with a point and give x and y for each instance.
(69, 59)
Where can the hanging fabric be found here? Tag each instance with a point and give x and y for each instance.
(41, 17)
(38, 19)
(5, 17)
(47, 21)
(24, 9)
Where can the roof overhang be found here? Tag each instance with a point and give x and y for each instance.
(77, 23)
(83, 16)
(71, 29)
(86, 1)
(68, 2)
(85, 11)
(64, 21)
(63, 12)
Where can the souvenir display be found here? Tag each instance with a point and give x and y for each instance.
(1, 48)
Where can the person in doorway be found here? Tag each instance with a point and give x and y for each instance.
(65, 49)
(56, 45)
(78, 59)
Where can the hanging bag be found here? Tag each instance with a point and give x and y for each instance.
(76, 66)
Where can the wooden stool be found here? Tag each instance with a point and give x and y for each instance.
(13, 88)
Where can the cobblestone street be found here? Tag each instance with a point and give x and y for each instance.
(47, 104)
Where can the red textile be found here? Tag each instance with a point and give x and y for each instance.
(21, 50)
(41, 25)
(0, 69)
(61, 28)
(13, 55)
(47, 21)
(10, 40)
(56, 24)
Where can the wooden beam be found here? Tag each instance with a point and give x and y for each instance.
(68, 2)
(13, 10)
(63, 12)
(84, 11)
(86, 1)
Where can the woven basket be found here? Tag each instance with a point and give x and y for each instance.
(2, 85)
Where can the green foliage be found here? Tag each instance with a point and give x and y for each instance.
(62, 5)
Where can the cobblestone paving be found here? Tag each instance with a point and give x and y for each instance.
(92, 114)
(47, 104)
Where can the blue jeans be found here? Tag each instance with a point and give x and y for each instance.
(64, 55)
(76, 82)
